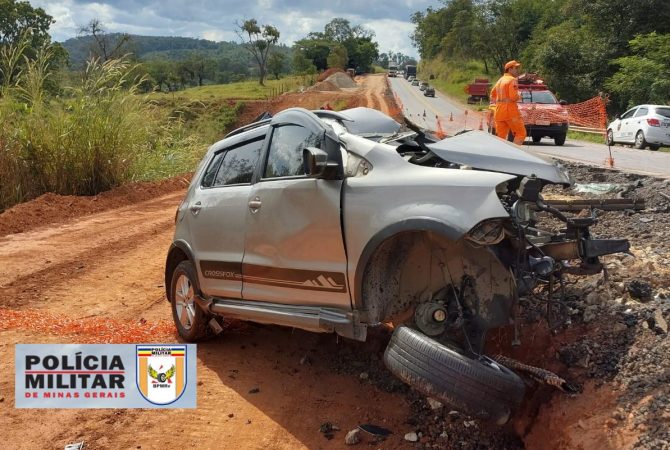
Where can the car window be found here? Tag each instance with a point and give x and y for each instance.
(628, 113)
(285, 154)
(239, 164)
(641, 112)
(212, 169)
(665, 112)
(543, 97)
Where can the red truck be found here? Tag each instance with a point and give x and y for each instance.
(478, 91)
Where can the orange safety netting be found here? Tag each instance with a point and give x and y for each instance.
(90, 330)
(589, 115)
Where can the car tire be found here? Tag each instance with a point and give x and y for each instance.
(560, 139)
(536, 139)
(479, 388)
(610, 137)
(190, 320)
(640, 141)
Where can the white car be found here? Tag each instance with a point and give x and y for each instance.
(642, 126)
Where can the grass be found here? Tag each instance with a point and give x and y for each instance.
(588, 137)
(243, 90)
(598, 138)
(452, 76)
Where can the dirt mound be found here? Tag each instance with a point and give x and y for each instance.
(342, 80)
(326, 73)
(53, 208)
(324, 86)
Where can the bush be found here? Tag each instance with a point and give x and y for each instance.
(97, 136)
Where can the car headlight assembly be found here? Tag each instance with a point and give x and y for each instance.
(488, 232)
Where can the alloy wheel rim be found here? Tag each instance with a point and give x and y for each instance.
(185, 302)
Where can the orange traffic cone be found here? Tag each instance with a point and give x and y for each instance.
(609, 162)
(481, 124)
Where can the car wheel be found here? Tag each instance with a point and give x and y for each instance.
(189, 318)
(477, 387)
(536, 139)
(610, 137)
(654, 147)
(640, 141)
(560, 139)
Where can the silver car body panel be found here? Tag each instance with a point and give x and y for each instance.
(294, 251)
(398, 192)
(481, 150)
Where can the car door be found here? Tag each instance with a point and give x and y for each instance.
(217, 213)
(294, 251)
(639, 120)
(624, 130)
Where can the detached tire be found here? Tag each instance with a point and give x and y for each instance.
(485, 390)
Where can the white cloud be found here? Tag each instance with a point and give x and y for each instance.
(215, 19)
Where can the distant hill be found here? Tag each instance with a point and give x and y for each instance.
(150, 47)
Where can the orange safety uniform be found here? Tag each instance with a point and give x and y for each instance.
(505, 94)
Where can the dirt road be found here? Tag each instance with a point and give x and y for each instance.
(91, 270)
(99, 278)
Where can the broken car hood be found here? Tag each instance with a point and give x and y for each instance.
(484, 151)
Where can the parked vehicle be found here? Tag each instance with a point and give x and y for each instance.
(415, 82)
(542, 113)
(429, 91)
(478, 91)
(339, 221)
(643, 126)
(423, 85)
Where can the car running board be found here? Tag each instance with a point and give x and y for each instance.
(310, 318)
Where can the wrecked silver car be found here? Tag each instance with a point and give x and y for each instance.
(339, 221)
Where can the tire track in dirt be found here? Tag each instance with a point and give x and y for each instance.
(37, 261)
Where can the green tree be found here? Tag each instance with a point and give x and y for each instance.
(276, 64)
(338, 57)
(18, 17)
(644, 76)
(258, 40)
(301, 64)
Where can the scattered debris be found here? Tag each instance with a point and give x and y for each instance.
(412, 437)
(254, 390)
(434, 404)
(328, 430)
(75, 446)
(639, 289)
(646, 219)
(374, 430)
(364, 376)
(231, 415)
(598, 188)
(660, 325)
(353, 437)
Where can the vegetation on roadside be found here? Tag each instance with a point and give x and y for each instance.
(579, 48)
(451, 76)
(97, 132)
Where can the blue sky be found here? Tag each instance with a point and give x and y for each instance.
(215, 20)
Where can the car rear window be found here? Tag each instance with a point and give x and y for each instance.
(233, 166)
(544, 97)
(665, 112)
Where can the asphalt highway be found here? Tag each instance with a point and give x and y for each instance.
(443, 113)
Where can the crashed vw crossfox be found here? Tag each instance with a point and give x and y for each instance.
(341, 221)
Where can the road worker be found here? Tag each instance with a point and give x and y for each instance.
(505, 94)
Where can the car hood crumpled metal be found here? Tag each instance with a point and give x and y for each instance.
(481, 150)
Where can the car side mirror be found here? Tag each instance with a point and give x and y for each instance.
(315, 161)
(563, 102)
